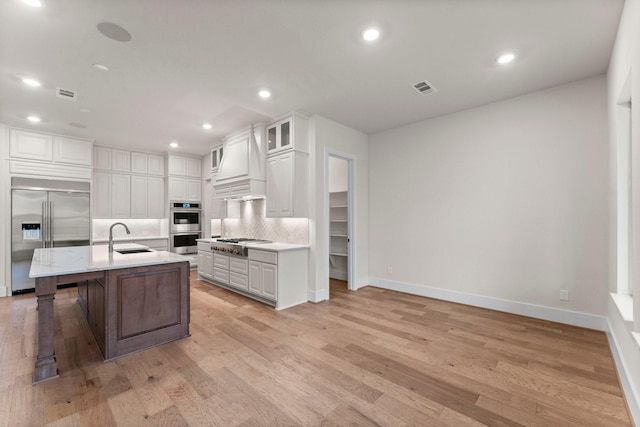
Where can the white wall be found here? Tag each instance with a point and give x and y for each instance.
(506, 201)
(5, 215)
(327, 137)
(625, 59)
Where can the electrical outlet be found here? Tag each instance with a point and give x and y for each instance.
(389, 270)
(564, 295)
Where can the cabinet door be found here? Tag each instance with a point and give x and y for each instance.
(201, 263)
(280, 185)
(216, 158)
(208, 264)
(279, 136)
(139, 197)
(255, 284)
(155, 165)
(177, 188)
(155, 197)
(101, 195)
(120, 160)
(194, 167)
(120, 196)
(269, 275)
(30, 145)
(102, 158)
(177, 165)
(99, 313)
(138, 163)
(194, 190)
(72, 151)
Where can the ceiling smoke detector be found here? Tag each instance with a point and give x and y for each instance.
(66, 94)
(424, 88)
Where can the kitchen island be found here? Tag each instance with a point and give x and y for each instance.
(132, 301)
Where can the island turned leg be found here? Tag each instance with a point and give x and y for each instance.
(46, 366)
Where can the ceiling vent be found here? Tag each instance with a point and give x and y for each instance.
(424, 88)
(66, 94)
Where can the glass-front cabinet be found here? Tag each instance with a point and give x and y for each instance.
(289, 133)
(216, 157)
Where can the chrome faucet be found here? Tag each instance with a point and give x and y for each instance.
(111, 233)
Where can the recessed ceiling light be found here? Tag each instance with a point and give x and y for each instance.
(371, 34)
(34, 119)
(114, 32)
(30, 82)
(264, 93)
(207, 126)
(32, 3)
(100, 67)
(505, 58)
(174, 145)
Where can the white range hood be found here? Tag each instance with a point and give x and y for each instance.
(242, 173)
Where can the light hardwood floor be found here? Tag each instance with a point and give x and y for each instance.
(371, 357)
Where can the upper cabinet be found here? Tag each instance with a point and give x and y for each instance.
(216, 157)
(184, 166)
(50, 148)
(111, 159)
(289, 133)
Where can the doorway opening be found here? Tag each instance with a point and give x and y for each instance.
(340, 196)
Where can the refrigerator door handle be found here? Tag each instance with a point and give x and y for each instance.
(43, 225)
(50, 222)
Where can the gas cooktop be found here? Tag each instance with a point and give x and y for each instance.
(235, 246)
(242, 240)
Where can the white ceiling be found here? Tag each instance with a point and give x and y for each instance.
(199, 61)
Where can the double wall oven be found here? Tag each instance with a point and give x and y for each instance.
(186, 226)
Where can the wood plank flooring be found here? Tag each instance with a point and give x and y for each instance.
(371, 357)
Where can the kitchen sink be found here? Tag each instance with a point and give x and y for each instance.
(132, 251)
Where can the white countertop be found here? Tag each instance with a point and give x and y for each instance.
(273, 247)
(129, 239)
(82, 259)
(276, 247)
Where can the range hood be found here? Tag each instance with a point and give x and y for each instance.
(242, 173)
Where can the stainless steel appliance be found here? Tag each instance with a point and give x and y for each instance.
(235, 246)
(185, 243)
(45, 214)
(185, 228)
(185, 217)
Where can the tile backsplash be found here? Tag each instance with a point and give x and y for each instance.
(138, 228)
(254, 224)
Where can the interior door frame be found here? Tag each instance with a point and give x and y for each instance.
(351, 209)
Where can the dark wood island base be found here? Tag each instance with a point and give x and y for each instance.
(128, 310)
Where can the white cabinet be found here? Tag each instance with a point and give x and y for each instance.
(147, 197)
(50, 148)
(72, 151)
(120, 160)
(287, 182)
(184, 189)
(184, 166)
(111, 195)
(263, 280)
(289, 133)
(205, 261)
(216, 158)
(120, 196)
(155, 165)
(101, 195)
(155, 197)
(30, 145)
(101, 158)
(221, 269)
(139, 163)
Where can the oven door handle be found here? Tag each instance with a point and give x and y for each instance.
(187, 233)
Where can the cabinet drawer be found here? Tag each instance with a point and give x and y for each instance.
(263, 256)
(239, 265)
(221, 261)
(204, 246)
(220, 275)
(239, 281)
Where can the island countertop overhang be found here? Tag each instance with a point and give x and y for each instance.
(83, 259)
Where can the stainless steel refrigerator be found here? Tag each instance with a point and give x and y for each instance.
(45, 214)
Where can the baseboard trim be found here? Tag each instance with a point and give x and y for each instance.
(317, 296)
(632, 395)
(530, 310)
